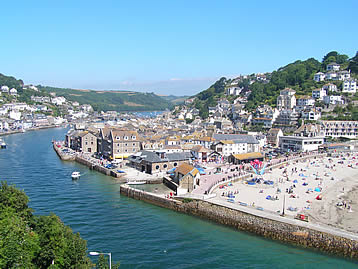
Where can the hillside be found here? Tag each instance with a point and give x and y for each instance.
(297, 75)
(112, 100)
(11, 82)
(175, 100)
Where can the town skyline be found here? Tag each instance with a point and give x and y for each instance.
(177, 48)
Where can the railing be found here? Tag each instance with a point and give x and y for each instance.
(270, 165)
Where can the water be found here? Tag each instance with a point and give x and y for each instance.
(139, 235)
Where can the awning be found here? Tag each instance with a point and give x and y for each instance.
(248, 156)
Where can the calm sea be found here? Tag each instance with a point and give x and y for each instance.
(137, 234)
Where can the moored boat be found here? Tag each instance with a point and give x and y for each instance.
(2, 144)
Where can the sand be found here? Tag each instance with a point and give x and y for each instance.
(326, 173)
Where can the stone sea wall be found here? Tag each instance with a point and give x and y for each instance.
(276, 230)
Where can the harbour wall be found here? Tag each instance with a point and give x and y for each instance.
(84, 161)
(268, 228)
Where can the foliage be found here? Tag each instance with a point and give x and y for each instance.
(188, 121)
(11, 82)
(28, 241)
(113, 100)
(103, 263)
(297, 75)
(209, 97)
(353, 64)
(187, 200)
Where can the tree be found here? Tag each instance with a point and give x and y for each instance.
(330, 54)
(27, 241)
(18, 243)
(103, 263)
(353, 64)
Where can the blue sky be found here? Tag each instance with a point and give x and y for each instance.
(169, 46)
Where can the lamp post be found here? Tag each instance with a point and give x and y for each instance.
(283, 208)
(95, 253)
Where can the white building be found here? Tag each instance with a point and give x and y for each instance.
(233, 91)
(334, 129)
(58, 100)
(311, 114)
(333, 100)
(234, 144)
(330, 87)
(331, 76)
(16, 106)
(319, 77)
(343, 75)
(13, 92)
(333, 67)
(5, 89)
(305, 101)
(300, 143)
(15, 115)
(286, 99)
(350, 86)
(319, 94)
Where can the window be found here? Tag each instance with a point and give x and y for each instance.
(133, 137)
(126, 138)
(165, 166)
(125, 144)
(133, 144)
(86, 143)
(157, 167)
(125, 150)
(133, 150)
(175, 164)
(118, 137)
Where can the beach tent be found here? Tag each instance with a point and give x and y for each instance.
(317, 189)
(295, 181)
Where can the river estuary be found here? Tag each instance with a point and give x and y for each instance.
(139, 235)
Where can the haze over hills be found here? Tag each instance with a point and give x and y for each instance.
(99, 100)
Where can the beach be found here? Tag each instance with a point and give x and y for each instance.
(323, 188)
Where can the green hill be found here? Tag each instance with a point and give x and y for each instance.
(112, 100)
(297, 75)
(11, 82)
(175, 100)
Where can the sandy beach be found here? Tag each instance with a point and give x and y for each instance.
(312, 187)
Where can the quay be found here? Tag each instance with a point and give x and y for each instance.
(287, 230)
(66, 154)
(82, 159)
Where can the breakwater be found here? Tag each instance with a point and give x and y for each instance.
(276, 230)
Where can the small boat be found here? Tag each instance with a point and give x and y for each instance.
(75, 175)
(136, 182)
(2, 144)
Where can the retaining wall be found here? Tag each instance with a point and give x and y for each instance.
(267, 228)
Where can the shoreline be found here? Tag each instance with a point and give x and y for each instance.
(262, 224)
(316, 234)
(31, 129)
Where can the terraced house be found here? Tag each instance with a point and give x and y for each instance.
(81, 141)
(118, 143)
